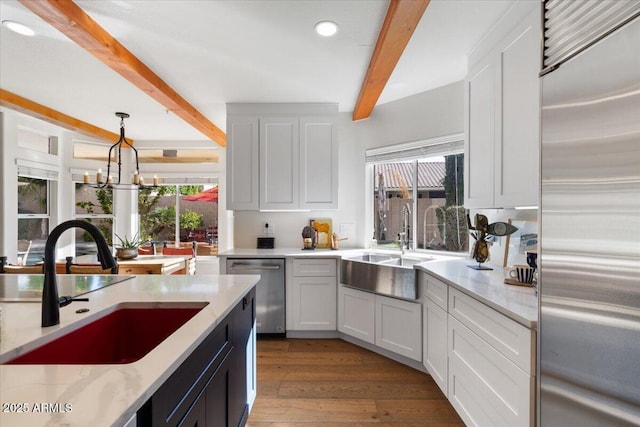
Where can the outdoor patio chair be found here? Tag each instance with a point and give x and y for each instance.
(191, 263)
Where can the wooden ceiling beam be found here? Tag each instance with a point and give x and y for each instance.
(31, 108)
(401, 20)
(77, 25)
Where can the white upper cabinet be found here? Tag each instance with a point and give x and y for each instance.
(502, 113)
(242, 162)
(479, 136)
(297, 148)
(279, 148)
(518, 151)
(318, 163)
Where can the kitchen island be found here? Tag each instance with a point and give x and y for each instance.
(106, 394)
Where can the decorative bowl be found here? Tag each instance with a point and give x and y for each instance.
(126, 253)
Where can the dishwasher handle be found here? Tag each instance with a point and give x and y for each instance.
(253, 267)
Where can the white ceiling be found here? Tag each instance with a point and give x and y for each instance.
(213, 52)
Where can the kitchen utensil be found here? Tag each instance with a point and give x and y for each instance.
(335, 241)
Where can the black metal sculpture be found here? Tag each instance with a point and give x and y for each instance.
(483, 232)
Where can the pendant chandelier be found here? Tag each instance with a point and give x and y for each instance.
(115, 154)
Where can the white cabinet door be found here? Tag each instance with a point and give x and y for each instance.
(314, 303)
(434, 352)
(479, 136)
(279, 161)
(356, 314)
(399, 326)
(318, 163)
(517, 150)
(242, 162)
(502, 124)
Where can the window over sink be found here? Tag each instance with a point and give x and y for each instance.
(419, 195)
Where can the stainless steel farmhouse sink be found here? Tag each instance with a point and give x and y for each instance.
(374, 258)
(382, 273)
(405, 261)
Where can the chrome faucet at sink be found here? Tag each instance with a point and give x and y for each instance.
(404, 237)
(50, 301)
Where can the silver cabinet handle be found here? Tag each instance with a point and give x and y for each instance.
(248, 267)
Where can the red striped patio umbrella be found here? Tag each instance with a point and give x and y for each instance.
(210, 195)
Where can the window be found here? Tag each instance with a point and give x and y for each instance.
(33, 218)
(419, 195)
(196, 219)
(34, 141)
(94, 205)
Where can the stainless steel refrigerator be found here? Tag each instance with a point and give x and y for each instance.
(589, 283)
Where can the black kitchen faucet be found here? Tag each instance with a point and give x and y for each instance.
(50, 301)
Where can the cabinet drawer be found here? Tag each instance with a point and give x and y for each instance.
(314, 267)
(510, 338)
(434, 289)
(484, 386)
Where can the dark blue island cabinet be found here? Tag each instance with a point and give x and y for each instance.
(209, 389)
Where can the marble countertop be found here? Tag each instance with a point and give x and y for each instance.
(104, 395)
(28, 287)
(280, 253)
(487, 286)
(517, 302)
(320, 253)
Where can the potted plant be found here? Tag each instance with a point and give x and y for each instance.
(127, 249)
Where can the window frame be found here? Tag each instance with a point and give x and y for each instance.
(78, 179)
(22, 173)
(177, 205)
(413, 152)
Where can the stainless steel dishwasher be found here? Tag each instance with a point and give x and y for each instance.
(270, 300)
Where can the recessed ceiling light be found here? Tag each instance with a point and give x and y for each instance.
(18, 28)
(326, 28)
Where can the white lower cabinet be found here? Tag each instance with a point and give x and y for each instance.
(313, 289)
(485, 387)
(389, 323)
(435, 300)
(434, 342)
(482, 360)
(491, 365)
(399, 326)
(356, 314)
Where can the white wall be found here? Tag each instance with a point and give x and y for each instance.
(426, 115)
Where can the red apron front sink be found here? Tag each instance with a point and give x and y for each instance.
(122, 336)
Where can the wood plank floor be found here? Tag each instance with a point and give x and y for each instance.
(332, 383)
